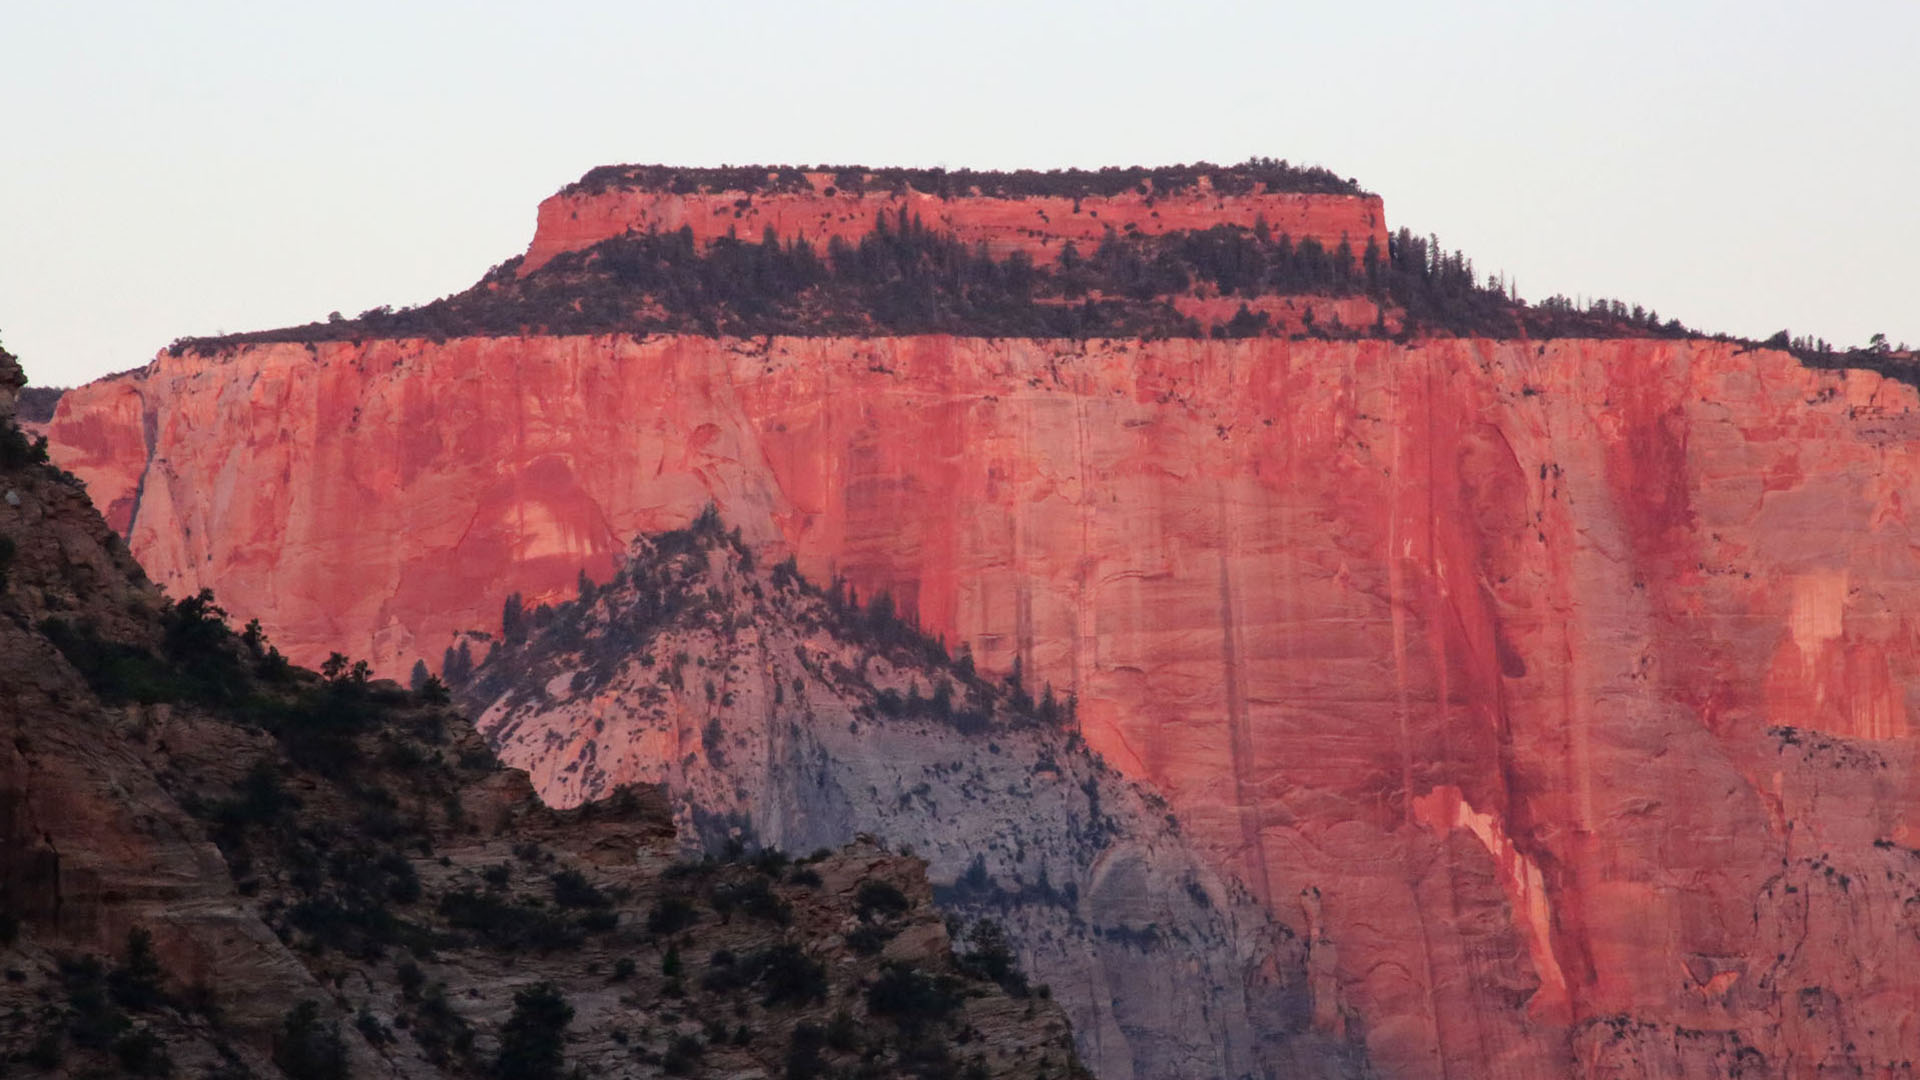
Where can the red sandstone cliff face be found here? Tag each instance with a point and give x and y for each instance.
(1475, 660)
(1039, 225)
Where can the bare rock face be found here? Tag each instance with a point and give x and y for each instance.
(776, 714)
(1040, 226)
(1478, 660)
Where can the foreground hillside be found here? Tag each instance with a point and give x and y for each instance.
(214, 863)
(1552, 673)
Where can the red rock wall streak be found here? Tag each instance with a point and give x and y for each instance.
(1463, 654)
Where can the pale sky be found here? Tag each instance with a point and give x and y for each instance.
(192, 168)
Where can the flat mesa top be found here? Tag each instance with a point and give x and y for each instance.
(1256, 176)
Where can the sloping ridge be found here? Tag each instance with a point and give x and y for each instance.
(775, 712)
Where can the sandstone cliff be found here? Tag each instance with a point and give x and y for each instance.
(775, 712)
(813, 208)
(1483, 647)
(310, 877)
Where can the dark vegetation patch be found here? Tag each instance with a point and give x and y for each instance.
(1254, 176)
(666, 586)
(903, 278)
(782, 974)
(36, 403)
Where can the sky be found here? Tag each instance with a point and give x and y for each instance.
(202, 167)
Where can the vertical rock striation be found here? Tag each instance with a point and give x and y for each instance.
(1556, 686)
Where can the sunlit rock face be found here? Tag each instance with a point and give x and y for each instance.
(1558, 691)
(1040, 226)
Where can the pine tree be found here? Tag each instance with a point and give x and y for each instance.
(513, 619)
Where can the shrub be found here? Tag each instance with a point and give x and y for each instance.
(117, 672)
(46, 1052)
(804, 1060)
(842, 1033)
(671, 914)
(17, 450)
(753, 896)
(790, 977)
(910, 998)
(683, 1056)
(784, 974)
(990, 957)
(135, 984)
(571, 889)
(440, 1031)
(508, 926)
(882, 898)
(868, 939)
(94, 1022)
(411, 979)
(371, 1029)
(533, 1039)
(307, 1049)
(142, 1054)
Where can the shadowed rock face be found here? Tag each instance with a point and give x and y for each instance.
(1490, 649)
(777, 714)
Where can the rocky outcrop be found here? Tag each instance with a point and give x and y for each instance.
(776, 715)
(11, 381)
(1476, 644)
(1039, 225)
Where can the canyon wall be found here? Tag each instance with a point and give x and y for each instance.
(1039, 225)
(1559, 692)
